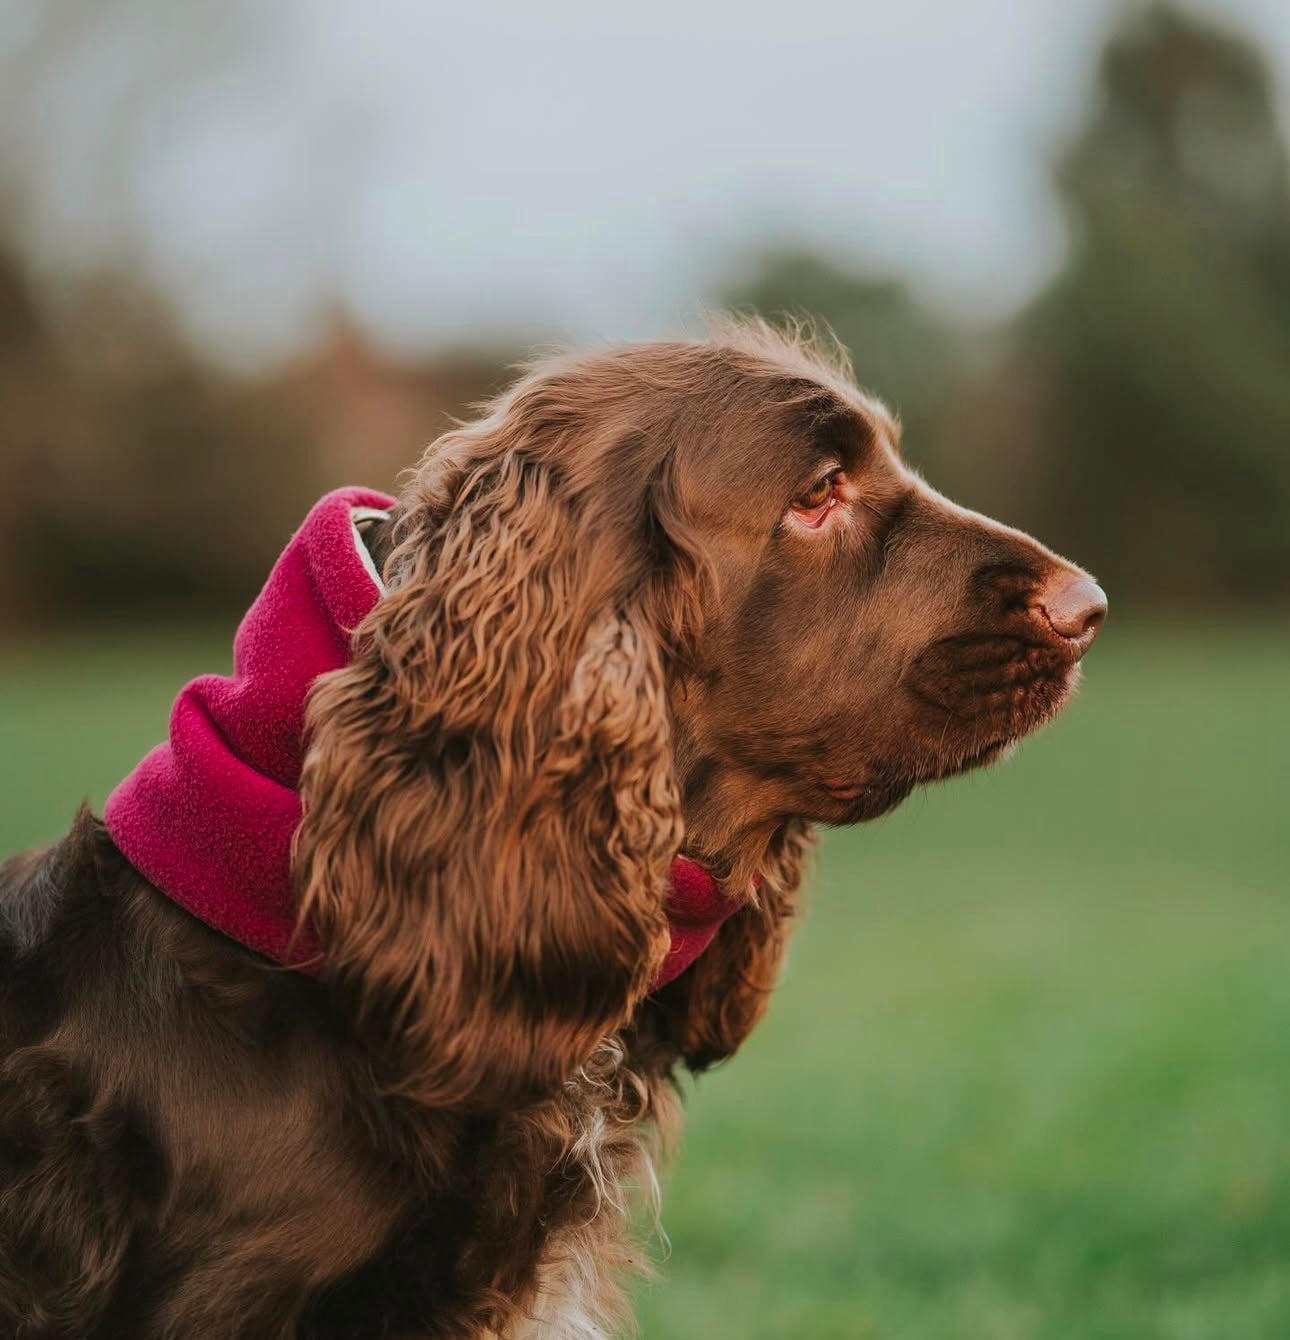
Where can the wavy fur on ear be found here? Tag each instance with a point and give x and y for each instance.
(490, 807)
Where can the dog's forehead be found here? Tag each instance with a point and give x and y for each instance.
(882, 422)
(772, 449)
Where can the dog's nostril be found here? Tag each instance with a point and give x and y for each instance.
(1074, 605)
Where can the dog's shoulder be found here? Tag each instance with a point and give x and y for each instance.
(77, 1164)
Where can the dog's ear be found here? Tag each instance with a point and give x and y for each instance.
(704, 1015)
(490, 806)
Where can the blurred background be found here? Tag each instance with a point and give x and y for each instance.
(1029, 1072)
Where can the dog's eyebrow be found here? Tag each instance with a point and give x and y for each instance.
(845, 432)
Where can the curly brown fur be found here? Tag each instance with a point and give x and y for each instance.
(616, 627)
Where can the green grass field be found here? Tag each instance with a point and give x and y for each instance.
(1028, 1074)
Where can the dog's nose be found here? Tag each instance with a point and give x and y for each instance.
(1074, 606)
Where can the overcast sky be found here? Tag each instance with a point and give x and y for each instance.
(578, 169)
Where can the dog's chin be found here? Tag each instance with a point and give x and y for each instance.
(991, 736)
(979, 756)
(900, 778)
(943, 739)
(953, 745)
(968, 747)
(877, 798)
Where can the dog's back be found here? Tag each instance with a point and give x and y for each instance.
(176, 1151)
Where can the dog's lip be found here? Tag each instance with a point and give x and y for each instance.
(1058, 667)
(1070, 649)
(850, 802)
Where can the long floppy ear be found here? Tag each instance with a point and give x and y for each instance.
(707, 1012)
(490, 807)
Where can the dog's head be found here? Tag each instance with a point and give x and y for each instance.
(675, 596)
(866, 633)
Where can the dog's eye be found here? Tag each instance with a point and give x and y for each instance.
(820, 499)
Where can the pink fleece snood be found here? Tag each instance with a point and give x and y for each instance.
(209, 815)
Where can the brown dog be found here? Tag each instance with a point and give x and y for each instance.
(674, 597)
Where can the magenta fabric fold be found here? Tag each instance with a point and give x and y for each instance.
(208, 816)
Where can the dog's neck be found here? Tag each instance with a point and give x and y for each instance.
(733, 817)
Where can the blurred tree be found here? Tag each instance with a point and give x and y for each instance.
(140, 480)
(1164, 347)
(1137, 415)
(140, 477)
(26, 363)
(120, 449)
